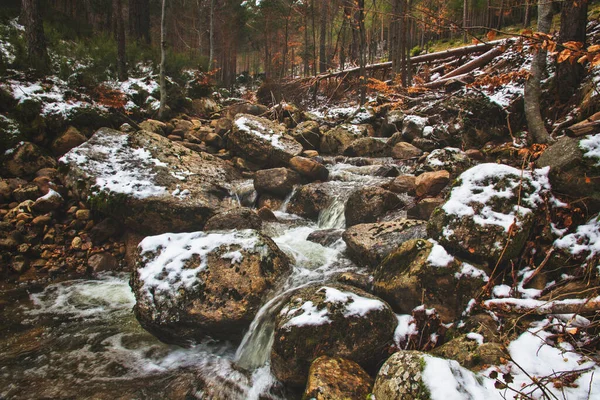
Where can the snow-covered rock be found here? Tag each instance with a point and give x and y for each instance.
(148, 182)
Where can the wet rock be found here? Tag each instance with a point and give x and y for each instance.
(101, 262)
(266, 215)
(421, 271)
(337, 378)
(269, 201)
(154, 126)
(431, 183)
(308, 135)
(450, 159)
(277, 181)
(236, 218)
(367, 147)
(329, 320)
(191, 285)
(361, 281)
(27, 192)
(572, 173)
(424, 208)
(412, 127)
(163, 186)
(309, 200)
(405, 151)
(466, 350)
(488, 202)
(336, 140)
(412, 375)
(309, 168)
(403, 184)
(67, 140)
(368, 204)
(26, 160)
(387, 171)
(49, 202)
(262, 141)
(370, 244)
(325, 237)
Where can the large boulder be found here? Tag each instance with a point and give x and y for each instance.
(309, 168)
(575, 168)
(277, 181)
(262, 141)
(336, 140)
(422, 271)
(67, 140)
(25, 159)
(412, 375)
(235, 218)
(309, 200)
(146, 181)
(308, 134)
(450, 159)
(405, 151)
(329, 320)
(368, 204)
(490, 212)
(368, 147)
(337, 379)
(190, 285)
(370, 244)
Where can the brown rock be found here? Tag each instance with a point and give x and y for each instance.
(337, 379)
(403, 184)
(26, 160)
(83, 215)
(431, 183)
(154, 126)
(223, 126)
(405, 151)
(424, 208)
(67, 140)
(267, 215)
(175, 138)
(236, 218)
(101, 262)
(368, 204)
(49, 202)
(42, 220)
(310, 153)
(51, 173)
(475, 154)
(309, 168)
(76, 243)
(5, 191)
(269, 201)
(276, 181)
(27, 192)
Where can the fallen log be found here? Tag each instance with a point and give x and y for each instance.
(588, 126)
(538, 307)
(476, 63)
(441, 82)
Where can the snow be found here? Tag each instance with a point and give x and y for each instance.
(506, 94)
(540, 305)
(420, 122)
(256, 128)
(500, 291)
(167, 256)
(471, 271)
(477, 187)
(8, 51)
(437, 156)
(354, 305)
(591, 146)
(476, 337)
(51, 193)
(10, 151)
(310, 315)
(118, 168)
(439, 257)
(585, 240)
(406, 327)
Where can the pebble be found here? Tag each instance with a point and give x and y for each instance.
(76, 242)
(83, 215)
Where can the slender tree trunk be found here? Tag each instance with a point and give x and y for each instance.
(573, 22)
(139, 20)
(465, 13)
(532, 96)
(323, 38)
(314, 37)
(120, 37)
(163, 56)
(211, 36)
(305, 56)
(362, 56)
(501, 14)
(37, 53)
(527, 18)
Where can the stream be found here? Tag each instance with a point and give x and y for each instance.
(80, 339)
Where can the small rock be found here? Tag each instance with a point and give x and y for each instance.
(269, 201)
(309, 168)
(42, 220)
(325, 237)
(277, 181)
(76, 243)
(67, 140)
(49, 202)
(431, 183)
(403, 184)
(266, 215)
(83, 215)
(5, 191)
(424, 208)
(28, 192)
(27, 159)
(405, 151)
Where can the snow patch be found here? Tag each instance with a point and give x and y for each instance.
(591, 147)
(256, 128)
(439, 257)
(354, 305)
(310, 315)
(586, 239)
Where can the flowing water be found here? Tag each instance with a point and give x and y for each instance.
(80, 339)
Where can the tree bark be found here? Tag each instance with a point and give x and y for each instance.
(211, 36)
(465, 13)
(362, 55)
(323, 38)
(120, 37)
(37, 53)
(163, 56)
(139, 20)
(573, 21)
(532, 96)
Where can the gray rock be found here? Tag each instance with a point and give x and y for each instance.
(368, 204)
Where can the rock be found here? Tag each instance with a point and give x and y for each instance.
(412, 375)
(480, 212)
(205, 107)
(412, 127)
(83, 215)
(424, 144)
(26, 160)
(190, 285)
(368, 204)
(336, 140)
(475, 154)
(5, 191)
(403, 184)
(223, 126)
(392, 123)
(405, 151)
(310, 153)
(105, 229)
(309, 200)
(101, 262)
(431, 183)
(246, 108)
(329, 320)
(308, 134)
(269, 201)
(162, 186)
(424, 208)
(422, 271)
(42, 220)
(49, 202)
(266, 215)
(572, 173)
(277, 181)
(387, 171)
(336, 379)
(236, 218)
(27, 192)
(450, 159)
(309, 168)
(174, 138)
(370, 244)
(76, 243)
(325, 237)
(469, 353)
(367, 147)
(154, 126)
(261, 141)
(67, 140)
(355, 279)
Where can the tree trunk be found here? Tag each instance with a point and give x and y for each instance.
(120, 31)
(465, 13)
(37, 53)
(211, 36)
(532, 96)
(362, 55)
(305, 56)
(527, 18)
(573, 21)
(163, 56)
(323, 38)
(139, 20)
